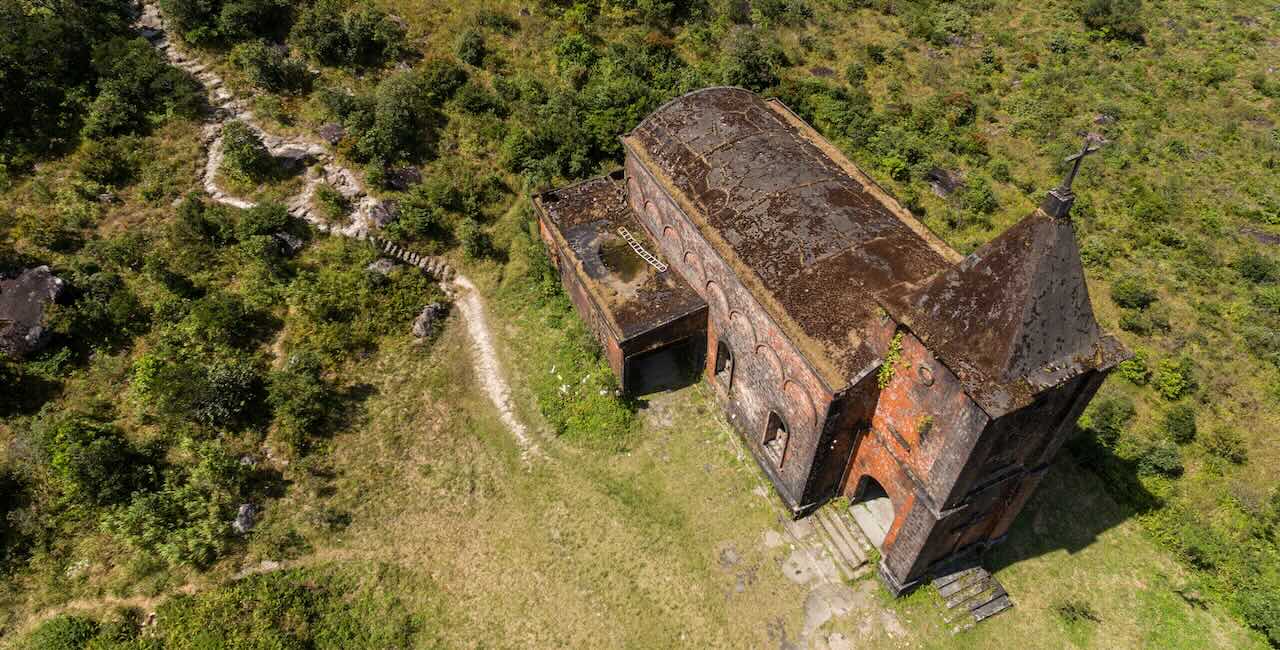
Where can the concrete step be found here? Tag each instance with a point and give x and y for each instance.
(843, 535)
(851, 527)
(969, 596)
(846, 559)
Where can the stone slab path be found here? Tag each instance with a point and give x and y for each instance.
(365, 220)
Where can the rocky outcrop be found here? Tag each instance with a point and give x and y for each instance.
(425, 325)
(23, 303)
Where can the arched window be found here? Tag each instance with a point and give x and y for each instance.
(775, 438)
(724, 364)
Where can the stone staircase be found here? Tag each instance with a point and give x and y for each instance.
(848, 547)
(969, 596)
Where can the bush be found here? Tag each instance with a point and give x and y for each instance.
(1114, 18)
(136, 87)
(337, 34)
(979, 197)
(333, 205)
(1075, 610)
(207, 22)
(1174, 378)
(399, 123)
(747, 61)
(475, 243)
(300, 399)
(64, 632)
(1108, 418)
(46, 72)
(266, 218)
(1258, 268)
(270, 68)
(90, 461)
(1268, 298)
(441, 78)
(110, 163)
(1161, 458)
(187, 522)
(1135, 369)
(470, 47)
(244, 157)
(1227, 444)
(1133, 292)
(1180, 423)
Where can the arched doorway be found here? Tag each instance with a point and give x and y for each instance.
(724, 364)
(872, 510)
(775, 438)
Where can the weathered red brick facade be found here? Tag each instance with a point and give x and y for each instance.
(809, 279)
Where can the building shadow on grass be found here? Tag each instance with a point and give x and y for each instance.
(1087, 491)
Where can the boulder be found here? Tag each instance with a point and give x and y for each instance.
(245, 518)
(333, 133)
(425, 324)
(403, 178)
(945, 181)
(289, 244)
(381, 266)
(23, 301)
(383, 213)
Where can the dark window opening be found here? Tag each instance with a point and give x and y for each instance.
(775, 439)
(724, 364)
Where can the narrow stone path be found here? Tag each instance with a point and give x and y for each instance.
(367, 217)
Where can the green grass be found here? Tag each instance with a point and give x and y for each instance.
(623, 523)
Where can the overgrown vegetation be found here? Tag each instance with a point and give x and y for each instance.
(1177, 223)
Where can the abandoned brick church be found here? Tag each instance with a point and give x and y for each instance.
(854, 351)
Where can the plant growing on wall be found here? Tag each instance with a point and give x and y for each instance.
(891, 359)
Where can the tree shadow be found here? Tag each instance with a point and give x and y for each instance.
(1087, 491)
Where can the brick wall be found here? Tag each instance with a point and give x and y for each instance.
(769, 374)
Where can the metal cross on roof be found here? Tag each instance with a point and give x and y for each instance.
(1075, 167)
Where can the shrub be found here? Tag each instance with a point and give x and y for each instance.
(1160, 458)
(206, 22)
(1132, 292)
(187, 522)
(441, 78)
(333, 205)
(1268, 298)
(1075, 610)
(979, 197)
(1114, 18)
(1180, 423)
(112, 162)
(1225, 443)
(474, 242)
(1174, 378)
(104, 312)
(855, 74)
(1135, 368)
(300, 399)
(747, 61)
(136, 87)
(1258, 268)
(475, 99)
(270, 68)
(1108, 418)
(91, 462)
(266, 218)
(334, 33)
(244, 157)
(470, 47)
(63, 632)
(401, 123)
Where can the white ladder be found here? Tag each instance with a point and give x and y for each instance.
(644, 254)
